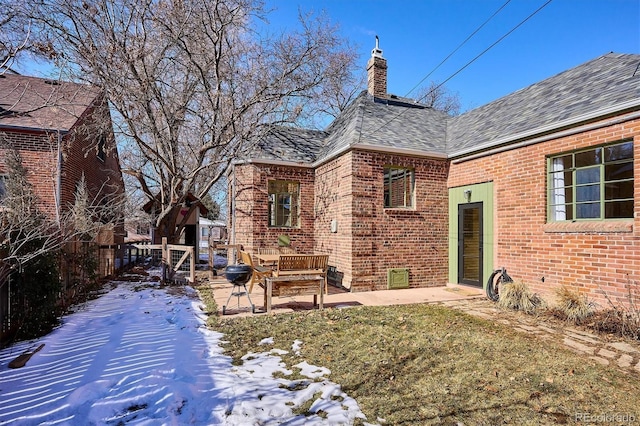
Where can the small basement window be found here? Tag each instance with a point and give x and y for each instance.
(101, 145)
(3, 188)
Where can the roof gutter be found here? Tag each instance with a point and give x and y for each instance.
(270, 162)
(549, 132)
(545, 138)
(380, 148)
(336, 153)
(401, 151)
(30, 129)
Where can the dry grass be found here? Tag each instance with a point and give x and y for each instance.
(205, 291)
(573, 306)
(517, 296)
(427, 364)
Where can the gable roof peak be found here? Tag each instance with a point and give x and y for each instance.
(43, 104)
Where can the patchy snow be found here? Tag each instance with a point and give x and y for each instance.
(266, 341)
(141, 354)
(296, 347)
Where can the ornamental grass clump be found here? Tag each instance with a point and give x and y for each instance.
(518, 296)
(573, 306)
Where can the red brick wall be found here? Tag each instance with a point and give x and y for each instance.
(398, 238)
(39, 151)
(250, 206)
(80, 157)
(39, 157)
(593, 257)
(369, 239)
(334, 201)
(242, 192)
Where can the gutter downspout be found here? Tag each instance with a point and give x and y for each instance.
(58, 192)
(233, 208)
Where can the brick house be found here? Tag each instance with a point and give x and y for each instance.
(63, 131)
(540, 181)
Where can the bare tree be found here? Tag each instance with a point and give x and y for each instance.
(340, 87)
(14, 34)
(192, 82)
(440, 98)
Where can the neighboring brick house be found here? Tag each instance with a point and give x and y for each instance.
(392, 184)
(63, 131)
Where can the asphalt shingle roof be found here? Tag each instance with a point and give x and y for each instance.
(602, 84)
(290, 144)
(37, 103)
(388, 123)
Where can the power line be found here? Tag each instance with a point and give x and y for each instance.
(457, 48)
(465, 65)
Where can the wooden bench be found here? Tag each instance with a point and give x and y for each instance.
(303, 264)
(297, 274)
(294, 285)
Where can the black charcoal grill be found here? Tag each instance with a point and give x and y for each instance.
(239, 276)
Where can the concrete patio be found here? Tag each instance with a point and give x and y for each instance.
(336, 298)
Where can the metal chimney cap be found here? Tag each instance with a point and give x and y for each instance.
(376, 51)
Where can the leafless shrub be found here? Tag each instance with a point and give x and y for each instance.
(621, 318)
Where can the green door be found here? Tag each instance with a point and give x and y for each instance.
(470, 239)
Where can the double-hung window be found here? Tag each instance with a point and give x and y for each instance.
(399, 185)
(592, 184)
(284, 204)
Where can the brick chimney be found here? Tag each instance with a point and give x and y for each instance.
(377, 73)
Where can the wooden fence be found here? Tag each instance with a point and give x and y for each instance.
(175, 258)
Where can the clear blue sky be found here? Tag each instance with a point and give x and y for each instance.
(416, 35)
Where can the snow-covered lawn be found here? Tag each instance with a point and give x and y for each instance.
(140, 354)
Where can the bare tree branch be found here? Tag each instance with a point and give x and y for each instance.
(438, 97)
(191, 83)
(14, 33)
